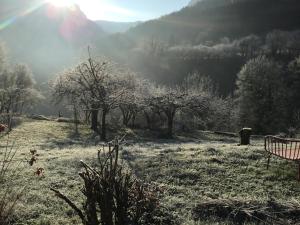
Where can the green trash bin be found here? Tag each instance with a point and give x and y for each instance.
(245, 135)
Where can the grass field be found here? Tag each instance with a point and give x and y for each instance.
(190, 170)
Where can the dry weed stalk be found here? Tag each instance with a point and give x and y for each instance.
(112, 195)
(9, 194)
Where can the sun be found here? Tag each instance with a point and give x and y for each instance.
(62, 3)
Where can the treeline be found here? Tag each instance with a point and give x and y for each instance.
(266, 98)
(98, 88)
(168, 63)
(213, 20)
(17, 88)
(275, 43)
(206, 4)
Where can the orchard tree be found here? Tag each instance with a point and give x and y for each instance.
(261, 95)
(136, 99)
(132, 100)
(96, 85)
(112, 95)
(168, 101)
(25, 93)
(17, 89)
(64, 90)
(200, 95)
(147, 92)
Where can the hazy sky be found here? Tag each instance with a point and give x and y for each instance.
(125, 10)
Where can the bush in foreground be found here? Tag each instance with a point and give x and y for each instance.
(9, 193)
(112, 195)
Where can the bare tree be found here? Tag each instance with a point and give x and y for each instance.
(133, 100)
(168, 101)
(96, 86)
(65, 90)
(17, 89)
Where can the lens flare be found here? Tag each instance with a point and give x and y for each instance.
(61, 3)
(11, 20)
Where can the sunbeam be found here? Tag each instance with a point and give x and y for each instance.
(61, 3)
(4, 24)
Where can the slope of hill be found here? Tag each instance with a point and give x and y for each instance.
(111, 27)
(193, 2)
(49, 38)
(234, 19)
(190, 171)
(209, 22)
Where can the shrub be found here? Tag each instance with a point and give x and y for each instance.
(9, 194)
(112, 195)
(261, 95)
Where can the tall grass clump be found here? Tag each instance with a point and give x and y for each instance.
(112, 195)
(10, 194)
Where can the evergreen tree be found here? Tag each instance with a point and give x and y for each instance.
(294, 92)
(261, 95)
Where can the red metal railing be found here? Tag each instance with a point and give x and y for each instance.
(286, 148)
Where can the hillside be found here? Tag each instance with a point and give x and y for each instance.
(234, 20)
(166, 49)
(111, 27)
(49, 38)
(189, 171)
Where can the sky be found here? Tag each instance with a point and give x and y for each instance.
(125, 10)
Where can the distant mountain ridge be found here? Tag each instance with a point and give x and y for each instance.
(111, 27)
(214, 19)
(147, 48)
(213, 3)
(50, 38)
(194, 2)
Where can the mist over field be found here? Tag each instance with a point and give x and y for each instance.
(181, 112)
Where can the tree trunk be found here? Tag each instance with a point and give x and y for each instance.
(87, 117)
(103, 127)
(75, 118)
(133, 120)
(170, 126)
(148, 120)
(94, 125)
(9, 119)
(126, 116)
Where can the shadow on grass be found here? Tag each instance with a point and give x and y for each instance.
(69, 139)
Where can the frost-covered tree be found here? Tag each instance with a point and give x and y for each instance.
(96, 86)
(261, 95)
(293, 84)
(168, 101)
(133, 99)
(17, 86)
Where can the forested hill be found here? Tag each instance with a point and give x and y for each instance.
(164, 50)
(234, 20)
(111, 27)
(48, 38)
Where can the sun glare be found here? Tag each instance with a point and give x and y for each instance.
(61, 3)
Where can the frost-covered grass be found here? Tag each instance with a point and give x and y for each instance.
(190, 170)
